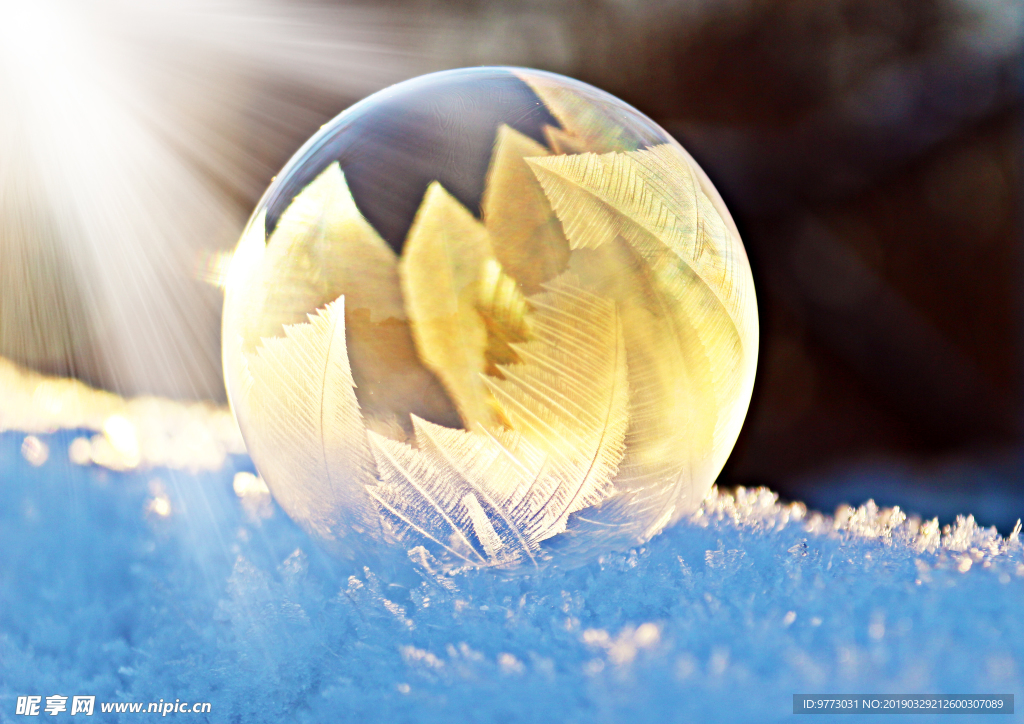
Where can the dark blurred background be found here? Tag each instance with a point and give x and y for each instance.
(870, 151)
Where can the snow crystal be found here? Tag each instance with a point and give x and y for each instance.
(140, 585)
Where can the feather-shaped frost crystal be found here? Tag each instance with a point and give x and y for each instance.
(495, 314)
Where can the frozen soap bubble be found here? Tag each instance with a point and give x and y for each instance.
(492, 315)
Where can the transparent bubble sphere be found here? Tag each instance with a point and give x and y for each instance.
(490, 317)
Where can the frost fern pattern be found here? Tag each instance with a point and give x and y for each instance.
(584, 352)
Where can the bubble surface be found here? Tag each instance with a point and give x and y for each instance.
(490, 317)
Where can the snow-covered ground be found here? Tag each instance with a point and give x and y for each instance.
(163, 584)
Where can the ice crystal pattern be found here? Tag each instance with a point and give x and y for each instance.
(589, 345)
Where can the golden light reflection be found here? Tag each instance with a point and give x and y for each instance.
(255, 496)
(160, 504)
(247, 484)
(120, 433)
(140, 432)
(34, 450)
(212, 267)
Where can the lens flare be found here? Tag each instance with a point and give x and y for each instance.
(129, 139)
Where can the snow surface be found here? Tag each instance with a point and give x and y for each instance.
(142, 585)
